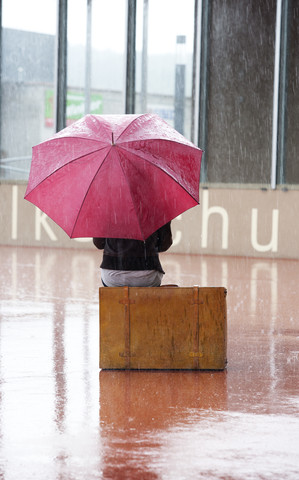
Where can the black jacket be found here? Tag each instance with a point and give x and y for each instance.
(126, 254)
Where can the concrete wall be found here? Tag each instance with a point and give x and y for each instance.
(229, 221)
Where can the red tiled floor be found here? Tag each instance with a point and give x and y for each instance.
(60, 418)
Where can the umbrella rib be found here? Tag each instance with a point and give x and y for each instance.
(130, 193)
(149, 115)
(72, 137)
(68, 163)
(130, 124)
(157, 166)
(86, 193)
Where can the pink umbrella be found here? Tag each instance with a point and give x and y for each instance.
(117, 176)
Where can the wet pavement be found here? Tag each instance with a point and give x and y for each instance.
(62, 418)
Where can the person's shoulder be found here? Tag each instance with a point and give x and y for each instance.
(99, 242)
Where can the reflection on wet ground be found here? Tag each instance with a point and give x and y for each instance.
(60, 418)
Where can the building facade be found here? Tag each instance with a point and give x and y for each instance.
(224, 73)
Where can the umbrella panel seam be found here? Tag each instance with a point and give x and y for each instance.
(166, 173)
(89, 186)
(65, 165)
(72, 137)
(125, 176)
(130, 124)
(155, 139)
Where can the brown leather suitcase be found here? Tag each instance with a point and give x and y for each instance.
(163, 328)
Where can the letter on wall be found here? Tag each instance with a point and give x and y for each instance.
(14, 212)
(206, 212)
(41, 221)
(273, 244)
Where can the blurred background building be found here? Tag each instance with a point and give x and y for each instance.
(224, 73)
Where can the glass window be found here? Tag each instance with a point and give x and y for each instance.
(76, 60)
(96, 52)
(28, 72)
(240, 91)
(164, 50)
(108, 66)
(290, 174)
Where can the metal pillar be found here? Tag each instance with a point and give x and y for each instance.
(144, 58)
(61, 66)
(88, 57)
(179, 96)
(275, 118)
(283, 93)
(196, 71)
(204, 87)
(1, 46)
(131, 56)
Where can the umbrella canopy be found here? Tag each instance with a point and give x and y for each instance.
(117, 176)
